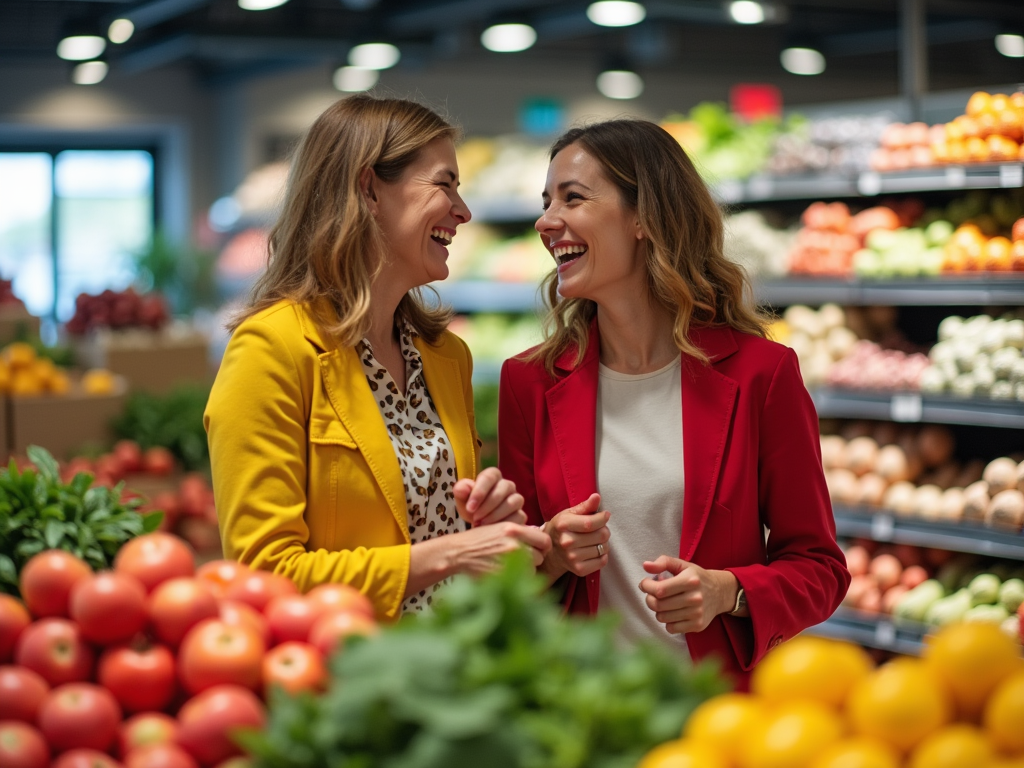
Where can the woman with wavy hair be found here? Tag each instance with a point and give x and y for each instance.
(341, 423)
(656, 434)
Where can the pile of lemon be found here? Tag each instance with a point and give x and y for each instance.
(23, 373)
(817, 703)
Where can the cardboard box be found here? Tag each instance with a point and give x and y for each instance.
(150, 361)
(16, 323)
(63, 424)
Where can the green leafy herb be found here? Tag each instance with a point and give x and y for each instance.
(38, 511)
(495, 676)
(173, 421)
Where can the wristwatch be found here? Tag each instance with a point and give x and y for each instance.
(741, 602)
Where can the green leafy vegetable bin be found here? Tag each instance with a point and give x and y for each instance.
(496, 676)
(38, 511)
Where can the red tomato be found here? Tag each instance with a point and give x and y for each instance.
(46, 581)
(85, 758)
(206, 721)
(129, 454)
(155, 558)
(236, 614)
(158, 461)
(80, 716)
(341, 597)
(55, 649)
(194, 495)
(259, 588)
(166, 502)
(330, 630)
(178, 605)
(294, 667)
(21, 693)
(13, 620)
(214, 653)
(141, 680)
(110, 607)
(160, 756)
(220, 573)
(146, 729)
(108, 465)
(290, 617)
(22, 746)
(236, 762)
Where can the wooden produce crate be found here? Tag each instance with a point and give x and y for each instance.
(151, 361)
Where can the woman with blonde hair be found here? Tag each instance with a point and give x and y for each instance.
(656, 434)
(341, 423)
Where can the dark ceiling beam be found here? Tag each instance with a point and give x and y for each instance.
(158, 11)
(888, 40)
(245, 50)
(442, 16)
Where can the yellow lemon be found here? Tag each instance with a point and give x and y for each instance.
(683, 753)
(725, 721)
(1004, 715)
(971, 659)
(810, 668)
(958, 746)
(98, 381)
(793, 735)
(858, 752)
(899, 703)
(19, 354)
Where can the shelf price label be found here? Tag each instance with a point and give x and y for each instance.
(905, 407)
(882, 527)
(1011, 175)
(869, 183)
(885, 634)
(956, 176)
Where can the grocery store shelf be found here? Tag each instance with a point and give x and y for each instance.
(885, 526)
(980, 290)
(912, 407)
(485, 296)
(506, 210)
(873, 631)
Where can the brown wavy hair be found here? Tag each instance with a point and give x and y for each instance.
(326, 248)
(687, 271)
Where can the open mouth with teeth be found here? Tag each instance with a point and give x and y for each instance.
(441, 236)
(566, 254)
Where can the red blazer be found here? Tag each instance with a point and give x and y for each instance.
(751, 459)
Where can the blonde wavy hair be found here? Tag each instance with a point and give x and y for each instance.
(687, 271)
(326, 248)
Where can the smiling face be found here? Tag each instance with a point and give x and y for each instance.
(418, 215)
(594, 237)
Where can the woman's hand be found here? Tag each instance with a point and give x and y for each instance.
(579, 540)
(689, 599)
(488, 499)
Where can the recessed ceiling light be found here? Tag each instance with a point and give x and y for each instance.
(81, 47)
(259, 5)
(120, 31)
(1010, 45)
(355, 79)
(620, 84)
(616, 13)
(508, 38)
(374, 56)
(89, 73)
(803, 61)
(746, 12)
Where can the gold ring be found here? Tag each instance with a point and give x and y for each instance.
(600, 550)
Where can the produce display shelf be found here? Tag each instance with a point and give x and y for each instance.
(485, 296)
(980, 290)
(873, 631)
(886, 526)
(911, 407)
(506, 210)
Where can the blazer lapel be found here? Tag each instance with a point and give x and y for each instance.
(572, 411)
(444, 381)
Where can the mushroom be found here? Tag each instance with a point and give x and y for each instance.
(1006, 510)
(861, 455)
(1001, 475)
(1020, 477)
(976, 501)
(833, 452)
(833, 316)
(952, 507)
(928, 502)
(899, 498)
(843, 487)
(872, 490)
(892, 464)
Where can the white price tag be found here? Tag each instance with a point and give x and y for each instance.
(956, 176)
(905, 407)
(882, 527)
(761, 187)
(1011, 175)
(885, 633)
(869, 183)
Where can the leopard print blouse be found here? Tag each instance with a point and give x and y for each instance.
(423, 450)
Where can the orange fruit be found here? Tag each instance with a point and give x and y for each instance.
(971, 659)
(955, 258)
(997, 255)
(724, 721)
(899, 703)
(1004, 714)
(958, 151)
(988, 124)
(98, 381)
(1001, 148)
(858, 753)
(999, 102)
(1011, 122)
(968, 127)
(794, 735)
(683, 753)
(977, 150)
(1017, 256)
(812, 669)
(940, 152)
(954, 131)
(958, 746)
(979, 102)
(25, 383)
(19, 354)
(1017, 100)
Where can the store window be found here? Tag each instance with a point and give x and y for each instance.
(72, 221)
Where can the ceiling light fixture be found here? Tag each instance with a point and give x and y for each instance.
(746, 12)
(355, 79)
(374, 56)
(616, 13)
(81, 47)
(620, 84)
(1010, 45)
(120, 31)
(802, 61)
(508, 38)
(89, 73)
(259, 5)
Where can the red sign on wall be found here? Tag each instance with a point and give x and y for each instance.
(752, 101)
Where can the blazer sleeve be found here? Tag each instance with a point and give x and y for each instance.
(805, 577)
(256, 420)
(515, 445)
(467, 377)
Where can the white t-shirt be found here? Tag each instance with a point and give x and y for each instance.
(639, 442)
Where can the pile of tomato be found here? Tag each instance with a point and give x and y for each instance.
(156, 663)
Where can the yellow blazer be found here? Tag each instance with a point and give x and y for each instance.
(306, 480)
